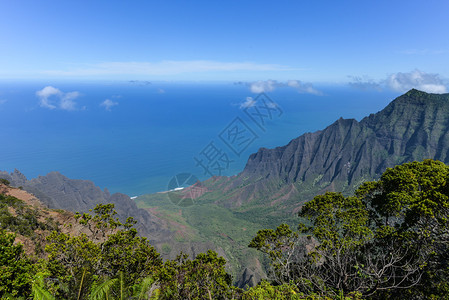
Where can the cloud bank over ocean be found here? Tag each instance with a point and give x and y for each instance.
(52, 98)
(431, 83)
(265, 86)
(165, 67)
(402, 82)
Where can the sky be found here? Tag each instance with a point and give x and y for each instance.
(368, 44)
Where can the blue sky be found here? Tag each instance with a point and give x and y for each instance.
(363, 42)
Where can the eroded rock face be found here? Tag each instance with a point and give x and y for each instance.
(59, 192)
(249, 278)
(415, 126)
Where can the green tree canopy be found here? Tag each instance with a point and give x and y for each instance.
(15, 268)
(390, 237)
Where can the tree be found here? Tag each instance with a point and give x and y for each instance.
(204, 277)
(321, 257)
(15, 268)
(409, 206)
(72, 262)
(103, 222)
(109, 262)
(4, 181)
(113, 249)
(391, 236)
(265, 290)
(126, 253)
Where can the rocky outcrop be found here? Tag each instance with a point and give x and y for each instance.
(59, 192)
(249, 278)
(415, 126)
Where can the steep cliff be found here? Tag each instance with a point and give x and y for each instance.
(414, 126)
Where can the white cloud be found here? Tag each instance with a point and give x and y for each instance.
(45, 94)
(167, 67)
(160, 91)
(52, 98)
(67, 101)
(249, 102)
(262, 86)
(403, 82)
(108, 104)
(303, 87)
(3, 101)
(417, 79)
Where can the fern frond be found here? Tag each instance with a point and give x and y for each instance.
(39, 293)
(101, 291)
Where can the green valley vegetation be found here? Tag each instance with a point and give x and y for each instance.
(206, 225)
(387, 240)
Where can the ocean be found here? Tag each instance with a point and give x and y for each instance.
(133, 137)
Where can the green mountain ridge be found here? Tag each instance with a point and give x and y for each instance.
(276, 182)
(273, 185)
(412, 127)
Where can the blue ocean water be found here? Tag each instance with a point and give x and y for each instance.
(157, 130)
